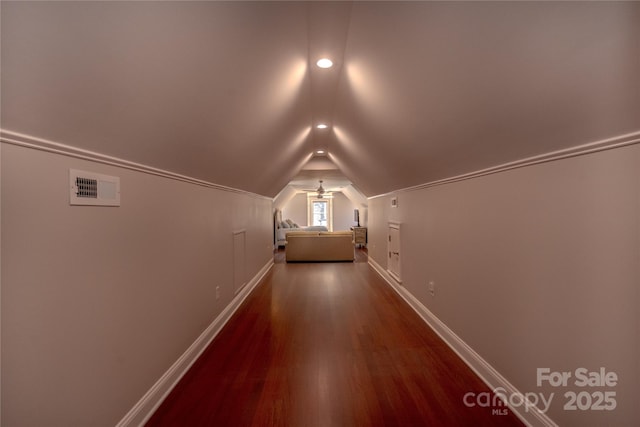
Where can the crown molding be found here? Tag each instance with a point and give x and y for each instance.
(579, 150)
(40, 144)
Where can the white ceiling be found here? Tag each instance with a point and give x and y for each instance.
(228, 91)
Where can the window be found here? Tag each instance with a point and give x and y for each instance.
(320, 212)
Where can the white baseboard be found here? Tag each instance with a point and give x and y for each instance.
(481, 367)
(146, 406)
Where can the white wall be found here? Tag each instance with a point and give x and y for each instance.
(359, 201)
(536, 267)
(284, 196)
(296, 209)
(98, 302)
(342, 212)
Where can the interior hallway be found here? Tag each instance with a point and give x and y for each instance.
(326, 344)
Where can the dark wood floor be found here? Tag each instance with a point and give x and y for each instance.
(326, 344)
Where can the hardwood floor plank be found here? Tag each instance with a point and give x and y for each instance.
(326, 344)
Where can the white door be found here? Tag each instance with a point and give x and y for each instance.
(393, 261)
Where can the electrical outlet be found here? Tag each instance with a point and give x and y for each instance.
(217, 292)
(432, 288)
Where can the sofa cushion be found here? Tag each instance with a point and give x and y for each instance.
(301, 233)
(336, 233)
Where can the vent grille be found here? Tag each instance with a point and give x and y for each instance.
(87, 188)
(93, 189)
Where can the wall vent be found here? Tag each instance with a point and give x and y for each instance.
(92, 189)
(86, 187)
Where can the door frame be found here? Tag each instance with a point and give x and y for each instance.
(397, 275)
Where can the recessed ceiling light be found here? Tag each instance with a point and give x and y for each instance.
(322, 126)
(324, 63)
(319, 151)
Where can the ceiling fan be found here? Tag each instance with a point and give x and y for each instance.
(321, 193)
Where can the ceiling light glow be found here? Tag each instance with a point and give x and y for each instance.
(324, 63)
(319, 151)
(322, 126)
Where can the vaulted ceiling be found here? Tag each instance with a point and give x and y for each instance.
(229, 92)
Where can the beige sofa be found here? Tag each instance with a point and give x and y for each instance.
(319, 246)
